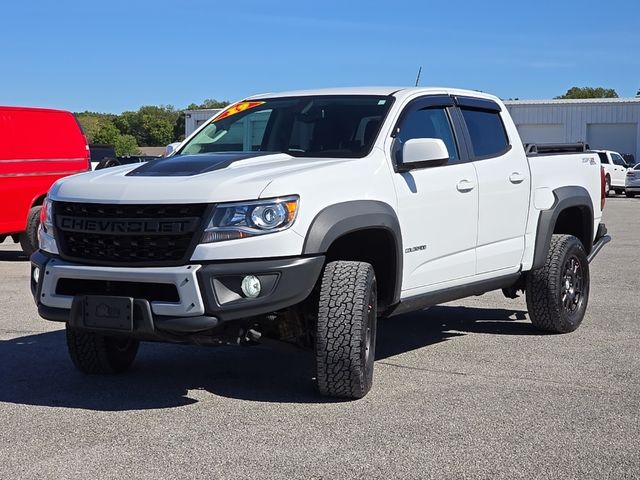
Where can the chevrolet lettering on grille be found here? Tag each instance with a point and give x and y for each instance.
(132, 226)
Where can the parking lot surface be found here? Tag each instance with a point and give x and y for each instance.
(463, 390)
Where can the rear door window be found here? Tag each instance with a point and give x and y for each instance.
(603, 158)
(488, 136)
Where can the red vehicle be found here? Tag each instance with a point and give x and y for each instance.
(37, 147)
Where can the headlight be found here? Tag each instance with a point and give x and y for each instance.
(46, 216)
(46, 237)
(230, 221)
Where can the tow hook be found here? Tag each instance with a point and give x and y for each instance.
(253, 336)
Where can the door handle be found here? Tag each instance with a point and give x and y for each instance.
(516, 178)
(465, 185)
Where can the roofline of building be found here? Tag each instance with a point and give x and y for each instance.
(582, 101)
(212, 110)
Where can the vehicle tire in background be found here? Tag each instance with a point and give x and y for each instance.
(630, 194)
(346, 329)
(29, 238)
(107, 162)
(99, 354)
(558, 293)
(607, 185)
(618, 191)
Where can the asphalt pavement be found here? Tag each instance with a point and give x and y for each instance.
(464, 390)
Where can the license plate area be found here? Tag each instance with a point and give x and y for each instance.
(109, 313)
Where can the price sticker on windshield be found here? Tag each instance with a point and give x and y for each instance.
(237, 108)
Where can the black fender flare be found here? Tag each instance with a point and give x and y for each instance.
(340, 219)
(565, 197)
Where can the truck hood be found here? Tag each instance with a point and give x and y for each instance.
(201, 178)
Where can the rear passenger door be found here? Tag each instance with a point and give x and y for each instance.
(437, 205)
(504, 187)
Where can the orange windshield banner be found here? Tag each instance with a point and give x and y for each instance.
(237, 108)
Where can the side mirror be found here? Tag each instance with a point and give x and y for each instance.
(422, 153)
(171, 148)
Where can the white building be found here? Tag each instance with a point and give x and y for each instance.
(194, 118)
(603, 123)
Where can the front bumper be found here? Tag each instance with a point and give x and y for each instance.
(207, 295)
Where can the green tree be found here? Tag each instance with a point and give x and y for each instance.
(126, 145)
(151, 125)
(589, 92)
(91, 122)
(209, 103)
(106, 134)
(123, 144)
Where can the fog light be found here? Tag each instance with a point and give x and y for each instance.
(251, 286)
(36, 274)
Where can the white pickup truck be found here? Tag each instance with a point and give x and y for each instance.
(302, 217)
(615, 170)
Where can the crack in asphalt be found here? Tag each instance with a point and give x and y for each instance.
(502, 377)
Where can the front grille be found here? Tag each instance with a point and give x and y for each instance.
(127, 234)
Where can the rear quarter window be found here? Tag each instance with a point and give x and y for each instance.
(488, 136)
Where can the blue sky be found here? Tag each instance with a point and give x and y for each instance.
(118, 55)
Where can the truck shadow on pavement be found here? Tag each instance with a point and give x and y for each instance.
(35, 369)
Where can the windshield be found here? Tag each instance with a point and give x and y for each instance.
(322, 126)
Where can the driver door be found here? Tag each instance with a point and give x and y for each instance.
(437, 205)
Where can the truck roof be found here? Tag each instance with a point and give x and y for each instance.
(396, 91)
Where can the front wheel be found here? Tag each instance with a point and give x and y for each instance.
(29, 238)
(100, 354)
(630, 194)
(346, 329)
(558, 292)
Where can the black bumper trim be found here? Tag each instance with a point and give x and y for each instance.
(295, 279)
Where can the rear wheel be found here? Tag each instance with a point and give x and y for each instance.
(619, 191)
(346, 329)
(29, 238)
(607, 185)
(558, 292)
(99, 354)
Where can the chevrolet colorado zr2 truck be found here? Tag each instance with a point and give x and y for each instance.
(303, 217)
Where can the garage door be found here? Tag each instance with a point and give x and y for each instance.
(619, 137)
(536, 133)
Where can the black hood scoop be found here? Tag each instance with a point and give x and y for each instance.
(189, 165)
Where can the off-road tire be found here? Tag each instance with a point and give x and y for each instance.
(346, 329)
(558, 292)
(99, 354)
(630, 194)
(29, 238)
